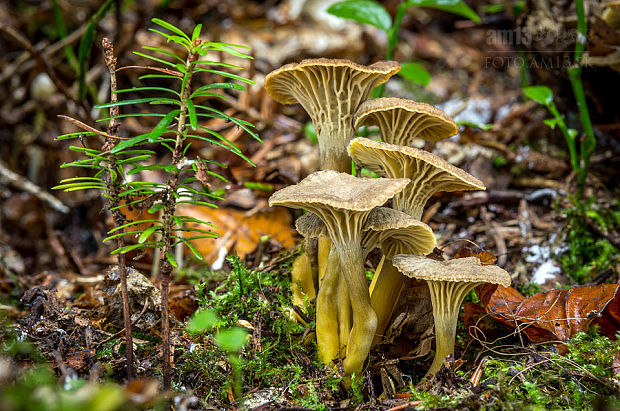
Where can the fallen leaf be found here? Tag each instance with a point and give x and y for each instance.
(555, 314)
(484, 256)
(240, 231)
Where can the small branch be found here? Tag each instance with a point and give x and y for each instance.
(163, 70)
(28, 186)
(86, 127)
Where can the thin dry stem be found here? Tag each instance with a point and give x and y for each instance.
(113, 202)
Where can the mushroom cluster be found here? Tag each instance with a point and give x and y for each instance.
(348, 214)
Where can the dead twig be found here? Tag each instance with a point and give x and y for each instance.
(120, 332)
(86, 127)
(28, 186)
(405, 405)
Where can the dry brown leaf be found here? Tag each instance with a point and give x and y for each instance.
(237, 228)
(556, 314)
(484, 256)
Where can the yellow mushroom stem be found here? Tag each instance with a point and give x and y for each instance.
(324, 247)
(344, 313)
(342, 294)
(446, 297)
(364, 317)
(385, 289)
(327, 332)
(302, 283)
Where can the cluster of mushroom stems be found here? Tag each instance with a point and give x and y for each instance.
(348, 216)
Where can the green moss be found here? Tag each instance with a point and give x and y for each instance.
(588, 253)
(535, 378)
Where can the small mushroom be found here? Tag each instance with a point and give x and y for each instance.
(400, 120)
(428, 173)
(344, 202)
(449, 282)
(330, 91)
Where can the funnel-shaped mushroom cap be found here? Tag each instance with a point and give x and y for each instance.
(330, 188)
(396, 232)
(400, 120)
(429, 174)
(468, 269)
(330, 91)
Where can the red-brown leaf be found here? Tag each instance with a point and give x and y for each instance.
(555, 314)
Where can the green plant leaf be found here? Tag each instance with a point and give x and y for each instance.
(540, 94)
(202, 321)
(193, 249)
(176, 39)
(170, 27)
(147, 233)
(311, 133)
(152, 100)
(163, 124)
(128, 248)
(196, 32)
(225, 74)
(415, 73)
(219, 86)
(121, 234)
(69, 180)
(167, 90)
(86, 45)
(166, 52)
(453, 6)
(363, 11)
(70, 136)
(132, 223)
(572, 133)
(551, 122)
(223, 47)
(217, 63)
(232, 339)
(483, 127)
(129, 143)
(171, 259)
(162, 61)
(191, 111)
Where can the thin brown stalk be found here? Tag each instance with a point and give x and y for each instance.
(169, 203)
(114, 192)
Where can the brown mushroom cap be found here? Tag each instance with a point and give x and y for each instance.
(401, 120)
(468, 269)
(429, 174)
(330, 91)
(329, 188)
(278, 83)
